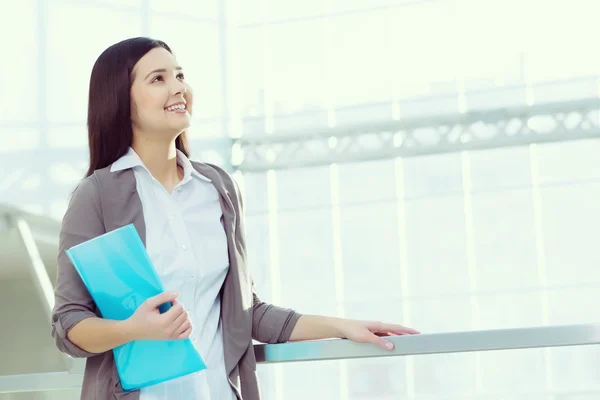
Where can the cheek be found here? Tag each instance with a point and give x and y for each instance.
(146, 111)
(189, 99)
(151, 101)
(148, 98)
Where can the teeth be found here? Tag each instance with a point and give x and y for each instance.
(176, 107)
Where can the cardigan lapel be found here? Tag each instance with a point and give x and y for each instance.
(236, 316)
(121, 204)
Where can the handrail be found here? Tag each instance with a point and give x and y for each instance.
(43, 228)
(38, 271)
(39, 275)
(39, 382)
(319, 350)
(433, 343)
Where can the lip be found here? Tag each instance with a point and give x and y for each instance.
(182, 112)
(176, 104)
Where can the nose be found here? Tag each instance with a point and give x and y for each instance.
(178, 88)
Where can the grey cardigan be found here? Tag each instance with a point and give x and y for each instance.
(108, 200)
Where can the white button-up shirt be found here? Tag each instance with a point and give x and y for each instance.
(186, 242)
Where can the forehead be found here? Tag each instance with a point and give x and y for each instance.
(154, 59)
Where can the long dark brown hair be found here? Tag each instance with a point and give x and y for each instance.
(109, 108)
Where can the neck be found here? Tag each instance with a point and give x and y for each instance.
(161, 160)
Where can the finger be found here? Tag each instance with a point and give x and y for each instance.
(175, 312)
(392, 333)
(187, 324)
(179, 322)
(397, 329)
(186, 334)
(155, 301)
(381, 342)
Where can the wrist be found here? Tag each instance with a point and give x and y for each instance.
(127, 329)
(336, 326)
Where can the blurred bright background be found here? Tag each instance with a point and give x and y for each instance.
(453, 239)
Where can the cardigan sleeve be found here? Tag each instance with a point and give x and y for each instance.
(270, 323)
(73, 303)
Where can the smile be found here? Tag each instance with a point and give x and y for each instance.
(176, 108)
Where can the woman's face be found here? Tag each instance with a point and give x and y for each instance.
(161, 100)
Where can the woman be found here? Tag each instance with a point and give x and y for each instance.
(190, 217)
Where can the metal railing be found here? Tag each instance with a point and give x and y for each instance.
(320, 350)
(434, 343)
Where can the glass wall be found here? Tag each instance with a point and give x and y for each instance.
(492, 239)
(484, 240)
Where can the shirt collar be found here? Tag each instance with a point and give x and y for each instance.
(188, 169)
(131, 159)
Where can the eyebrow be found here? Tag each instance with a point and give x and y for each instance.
(163, 70)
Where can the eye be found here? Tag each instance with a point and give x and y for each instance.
(157, 79)
(180, 76)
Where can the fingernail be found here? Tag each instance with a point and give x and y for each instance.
(389, 345)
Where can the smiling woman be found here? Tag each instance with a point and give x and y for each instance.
(190, 218)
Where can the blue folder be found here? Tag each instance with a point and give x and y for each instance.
(119, 275)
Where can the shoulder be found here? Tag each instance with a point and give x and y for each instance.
(103, 173)
(83, 218)
(84, 211)
(224, 178)
(89, 189)
(223, 174)
(227, 179)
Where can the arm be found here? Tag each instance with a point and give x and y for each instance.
(73, 303)
(312, 327)
(97, 335)
(272, 324)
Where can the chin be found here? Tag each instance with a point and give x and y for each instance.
(179, 127)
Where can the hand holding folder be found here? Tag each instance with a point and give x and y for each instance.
(119, 275)
(150, 323)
